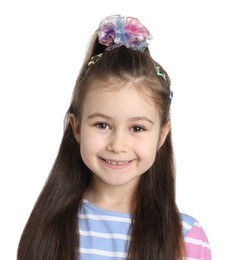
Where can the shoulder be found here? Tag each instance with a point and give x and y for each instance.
(196, 243)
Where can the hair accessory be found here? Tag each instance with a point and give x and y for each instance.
(171, 96)
(163, 75)
(159, 73)
(94, 59)
(115, 31)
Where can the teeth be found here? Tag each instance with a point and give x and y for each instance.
(116, 163)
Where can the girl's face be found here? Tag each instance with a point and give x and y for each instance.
(119, 135)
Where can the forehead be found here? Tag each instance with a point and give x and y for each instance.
(114, 84)
(119, 101)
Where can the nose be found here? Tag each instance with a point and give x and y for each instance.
(118, 143)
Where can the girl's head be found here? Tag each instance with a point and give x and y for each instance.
(120, 72)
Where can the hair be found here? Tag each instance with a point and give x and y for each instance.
(51, 231)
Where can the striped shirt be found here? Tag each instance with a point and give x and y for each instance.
(104, 235)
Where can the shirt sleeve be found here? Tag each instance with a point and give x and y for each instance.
(196, 244)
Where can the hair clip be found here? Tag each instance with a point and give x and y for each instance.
(115, 31)
(159, 73)
(94, 59)
(171, 96)
(163, 75)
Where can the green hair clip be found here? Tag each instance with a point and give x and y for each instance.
(159, 73)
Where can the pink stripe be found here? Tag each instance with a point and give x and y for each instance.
(197, 232)
(196, 244)
(197, 252)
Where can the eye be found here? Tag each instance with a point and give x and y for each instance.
(137, 129)
(102, 125)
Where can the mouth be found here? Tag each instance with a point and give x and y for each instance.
(116, 163)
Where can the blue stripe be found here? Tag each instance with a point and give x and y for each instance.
(103, 226)
(189, 220)
(106, 244)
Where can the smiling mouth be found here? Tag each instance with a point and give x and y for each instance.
(116, 163)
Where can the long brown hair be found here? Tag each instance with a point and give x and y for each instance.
(52, 228)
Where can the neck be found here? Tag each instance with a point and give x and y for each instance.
(115, 198)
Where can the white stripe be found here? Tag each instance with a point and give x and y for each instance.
(102, 252)
(102, 217)
(104, 235)
(186, 225)
(197, 224)
(196, 242)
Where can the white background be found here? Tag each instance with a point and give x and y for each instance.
(42, 45)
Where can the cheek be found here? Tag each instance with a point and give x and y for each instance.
(147, 157)
(89, 142)
(87, 151)
(148, 154)
(148, 149)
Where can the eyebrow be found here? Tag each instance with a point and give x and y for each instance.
(136, 118)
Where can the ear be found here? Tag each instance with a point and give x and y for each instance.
(75, 126)
(163, 134)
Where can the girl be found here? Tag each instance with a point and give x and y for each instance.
(111, 191)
